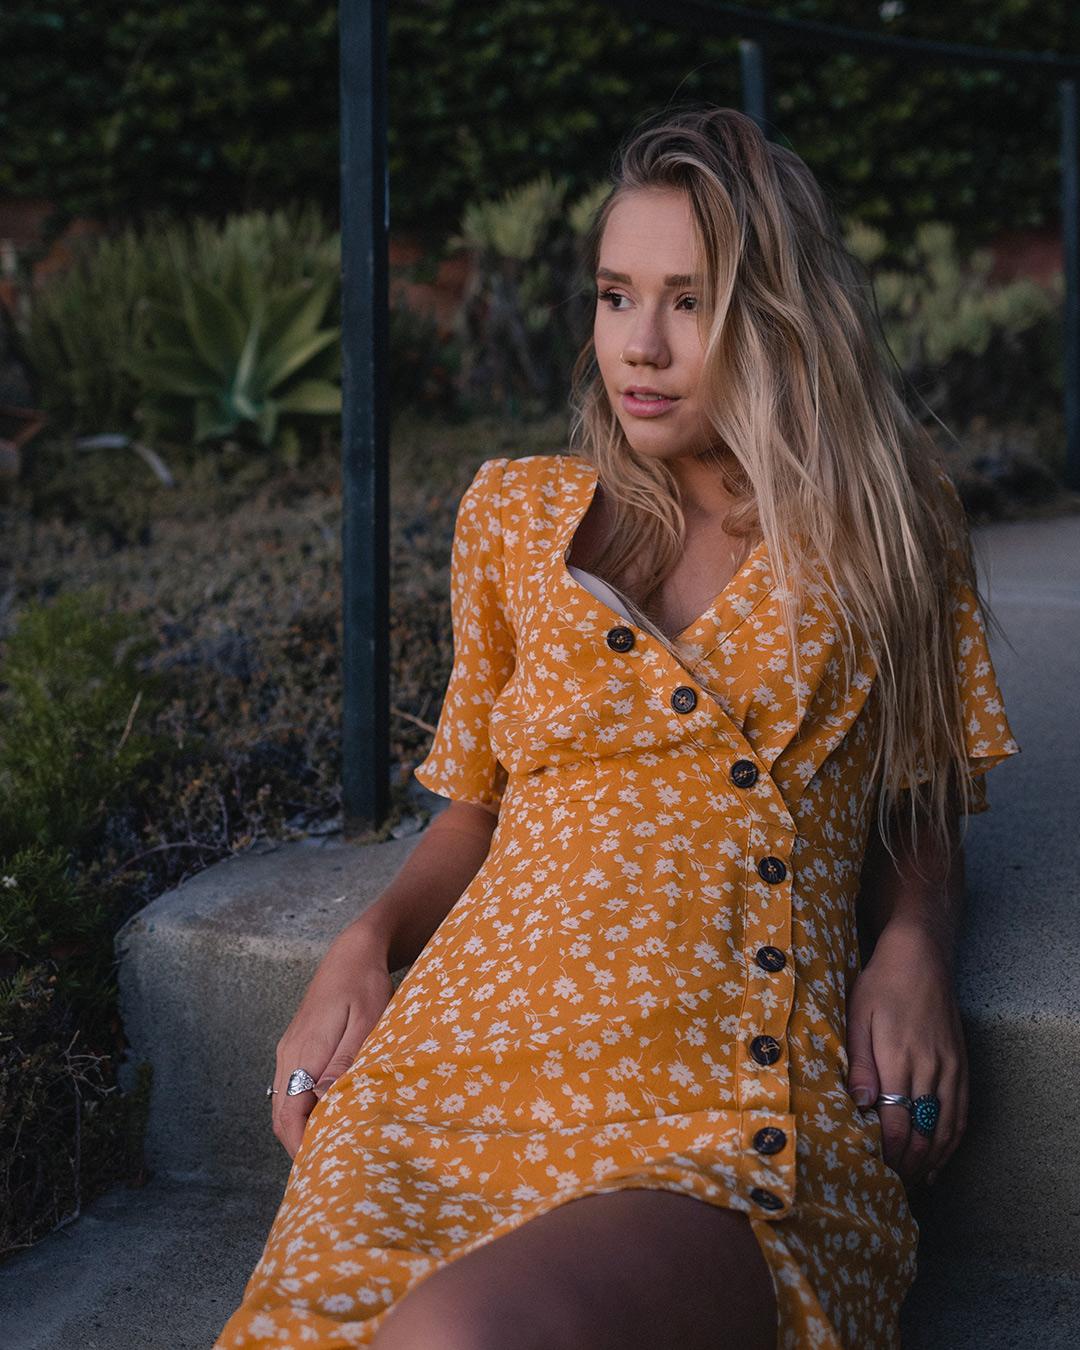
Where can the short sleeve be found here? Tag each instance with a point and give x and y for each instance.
(988, 735)
(460, 762)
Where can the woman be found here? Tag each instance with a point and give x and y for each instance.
(711, 669)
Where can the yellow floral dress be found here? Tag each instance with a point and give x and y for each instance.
(645, 983)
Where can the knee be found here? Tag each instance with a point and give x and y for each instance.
(476, 1320)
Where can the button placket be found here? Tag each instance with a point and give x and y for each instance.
(767, 1163)
(764, 1079)
(766, 1179)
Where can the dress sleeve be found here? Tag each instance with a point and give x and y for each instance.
(460, 762)
(987, 733)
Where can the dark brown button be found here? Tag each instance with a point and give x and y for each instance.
(771, 958)
(772, 869)
(620, 638)
(684, 699)
(769, 1139)
(765, 1049)
(766, 1199)
(744, 773)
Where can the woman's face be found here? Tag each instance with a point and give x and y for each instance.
(646, 326)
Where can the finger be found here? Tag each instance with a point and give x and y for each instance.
(914, 1162)
(943, 1138)
(357, 1030)
(895, 1119)
(960, 1111)
(294, 1120)
(862, 1070)
(291, 1112)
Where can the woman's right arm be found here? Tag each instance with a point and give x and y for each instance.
(428, 885)
(352, 985)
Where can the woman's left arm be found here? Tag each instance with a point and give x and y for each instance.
(904, 1032)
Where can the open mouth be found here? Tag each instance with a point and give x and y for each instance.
(647, 405)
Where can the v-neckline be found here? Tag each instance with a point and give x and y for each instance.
(715, 605)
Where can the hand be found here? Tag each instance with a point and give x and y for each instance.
(346, 997)
(904, 1034)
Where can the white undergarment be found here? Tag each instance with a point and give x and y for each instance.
(598, 588)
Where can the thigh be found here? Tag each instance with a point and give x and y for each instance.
(618, 1271)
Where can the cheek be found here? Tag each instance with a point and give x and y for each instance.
(607, 355)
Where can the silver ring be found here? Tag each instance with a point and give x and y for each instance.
(894, 1099)
(299, 1081)
(270, 1090)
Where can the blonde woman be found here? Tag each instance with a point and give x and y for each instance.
(721, 693)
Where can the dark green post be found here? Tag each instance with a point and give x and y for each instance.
(1070, 247)
(756, 86)
(365, 535)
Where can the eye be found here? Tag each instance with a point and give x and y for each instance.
(611, 296)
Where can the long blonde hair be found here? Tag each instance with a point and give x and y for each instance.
(810, 426)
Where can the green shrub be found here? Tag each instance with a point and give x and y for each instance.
(71, 735)
(527, 309)
(73, 701)
(49, 912)
(231, 360)
(66, 1132)
(971, 347)
(206, 331)
(90, 324)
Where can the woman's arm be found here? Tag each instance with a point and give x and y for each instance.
(920, 896)
(904, 1031)
(429, 883)
(352, 986)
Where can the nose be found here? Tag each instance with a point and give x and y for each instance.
(645, 345)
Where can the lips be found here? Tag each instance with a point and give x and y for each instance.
(641, 405)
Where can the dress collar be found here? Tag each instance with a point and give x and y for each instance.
(749, 586)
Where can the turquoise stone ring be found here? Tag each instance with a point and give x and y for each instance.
(924, 1110)
(924, 1113)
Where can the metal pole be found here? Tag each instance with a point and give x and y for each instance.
(365, 231)
(1070, 243)
(756, 84)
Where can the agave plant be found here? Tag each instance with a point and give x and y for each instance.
(230, 359)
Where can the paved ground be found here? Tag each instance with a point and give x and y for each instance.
(163, 1267)
(159, 1268)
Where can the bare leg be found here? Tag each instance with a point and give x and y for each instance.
(629, 1270)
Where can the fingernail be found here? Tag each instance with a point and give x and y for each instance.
(862, 1096)
(321, 1087)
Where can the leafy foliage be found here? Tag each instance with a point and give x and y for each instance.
(90, 325)
(208, 331)
(239, 357)
(171, 106)
(72, 732)
(971, 347)
(71, 748)
(527, 310)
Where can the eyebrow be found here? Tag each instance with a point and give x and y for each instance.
(675, 279)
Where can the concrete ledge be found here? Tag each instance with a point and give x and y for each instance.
(1012, 1190)
(210, 976)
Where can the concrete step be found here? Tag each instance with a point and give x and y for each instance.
(162, 1268)
(159, 1268)
(210, 976)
